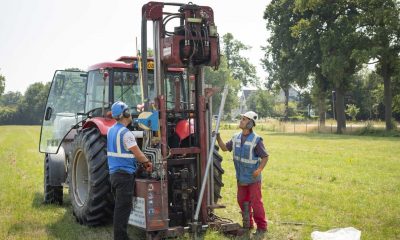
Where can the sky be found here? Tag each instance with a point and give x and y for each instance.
(41, 36)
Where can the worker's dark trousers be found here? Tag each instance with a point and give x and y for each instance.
(122, 186)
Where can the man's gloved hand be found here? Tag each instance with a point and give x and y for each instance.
(215, 133)
(257, 172)
(148, 166)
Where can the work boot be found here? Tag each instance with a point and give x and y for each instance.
(260, 233)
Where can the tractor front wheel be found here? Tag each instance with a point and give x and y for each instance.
(218, 172)
(52, 194)
(89, 184)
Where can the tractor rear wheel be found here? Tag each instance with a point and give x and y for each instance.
(52, 194)
(89, 184)
(218, 171)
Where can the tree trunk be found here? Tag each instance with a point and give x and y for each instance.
(286, 91)
(321, 83)
(321, 108)
(387, 95)
(340, 114)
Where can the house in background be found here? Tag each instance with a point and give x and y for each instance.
(245, 93)
(243, 96)
(294, 95)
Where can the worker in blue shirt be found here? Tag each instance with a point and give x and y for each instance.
(123, 154)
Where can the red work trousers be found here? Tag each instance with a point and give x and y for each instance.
(252, 193)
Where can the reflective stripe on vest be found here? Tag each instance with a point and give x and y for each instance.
(121, 155)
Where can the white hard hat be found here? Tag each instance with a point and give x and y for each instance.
(250, 115)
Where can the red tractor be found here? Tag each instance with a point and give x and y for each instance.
(170, 104)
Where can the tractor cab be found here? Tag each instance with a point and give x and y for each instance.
(77, 96)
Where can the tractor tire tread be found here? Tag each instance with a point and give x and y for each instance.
(218, 172)
(98, 208)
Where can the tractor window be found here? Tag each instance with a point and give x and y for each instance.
(95, 88)
(66, 98)
(174, 83)
(128, 88)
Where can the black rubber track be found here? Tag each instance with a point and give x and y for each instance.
(52, 194)
(98, 208)
(218, 171)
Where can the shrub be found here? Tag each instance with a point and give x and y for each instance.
(8, 115)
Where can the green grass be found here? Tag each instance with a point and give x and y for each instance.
(320, 181)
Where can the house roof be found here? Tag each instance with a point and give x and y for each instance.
(248, 92)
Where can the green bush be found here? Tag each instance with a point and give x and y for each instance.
(8, 115)
(369, 130)
(297, 118)
(394, 124)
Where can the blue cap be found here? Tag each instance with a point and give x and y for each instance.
(118, 108)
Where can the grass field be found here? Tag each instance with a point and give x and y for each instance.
(312, 182)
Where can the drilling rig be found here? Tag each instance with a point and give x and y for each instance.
(170, 105)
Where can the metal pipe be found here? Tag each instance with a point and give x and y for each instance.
(210, 121)
(144, 62)
(157, 58)
(210, 154)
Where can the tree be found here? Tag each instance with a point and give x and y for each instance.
(240, 66)
(280, 110)
(150, 52)
(7, 115)
(320, 93)
(352, 110)
(281, 59)
(218, 78)
(2, 84)
(339, 40)
(8, 107)
(33, 103)
(234, 70)
(305, 103)
(11, 99)
(262, 102)
(362, 92)
(396, 94)
(380, 23)
(308, 31)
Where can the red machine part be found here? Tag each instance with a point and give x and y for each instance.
(194, 43)
(103, 124)
(184, 128)
(176, 54)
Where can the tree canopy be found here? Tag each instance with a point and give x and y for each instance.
(2, 84)
(327, 44)
(280, 56)
(16, 108)
(234, 71)
(241, 68)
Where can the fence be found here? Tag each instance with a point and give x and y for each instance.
(274, 125)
